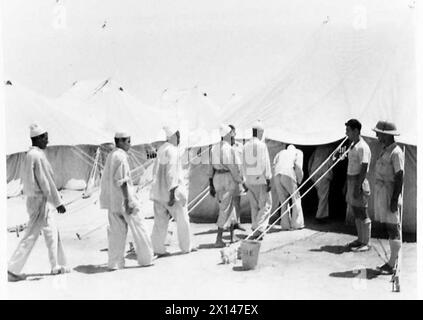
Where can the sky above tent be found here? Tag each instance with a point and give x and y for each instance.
(226, 46)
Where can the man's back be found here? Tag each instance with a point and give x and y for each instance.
(37, 177)
(256, 162)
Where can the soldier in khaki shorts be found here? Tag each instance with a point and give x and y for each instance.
(389, 172)
(358, 190)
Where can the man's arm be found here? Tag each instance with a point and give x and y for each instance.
(172, 174)
(268, 168)
(398, 181)
(127, 202)
(362, 176)
(47, 185)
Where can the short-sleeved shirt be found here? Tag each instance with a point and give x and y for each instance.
(116, 173)
(358, 155)
(390, 161)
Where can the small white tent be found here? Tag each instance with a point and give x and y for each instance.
(194, 112)
(106, 104)
(72, 144)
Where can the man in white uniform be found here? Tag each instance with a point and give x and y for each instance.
(288, 174)
(389, 174)
(358, 189)
(118, 197)
(224, 177)
(239, 190)
(169, 192)
(258, 172)
(317, 158)
(42, 197)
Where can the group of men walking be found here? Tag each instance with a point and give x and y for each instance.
(233, 170)
(169, 193)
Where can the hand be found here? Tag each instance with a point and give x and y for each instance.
(394, 205)
(61, 209)
(171, 198)
(344, 189)
(268, 186)
(245, 187)
(212, 191)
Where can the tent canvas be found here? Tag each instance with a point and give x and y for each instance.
(343, 72)
(106, 105)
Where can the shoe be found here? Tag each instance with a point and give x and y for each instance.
(162, 255)
(111, 269)
(362, 248)
(60, 270)
(11, 277)
(386, 269)
(237, 226)
(354, 244)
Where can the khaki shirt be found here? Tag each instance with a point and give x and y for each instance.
(358, 155)
(390, 161)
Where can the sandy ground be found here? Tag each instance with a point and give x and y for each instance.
(304, 264)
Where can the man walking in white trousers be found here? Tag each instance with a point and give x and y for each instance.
(41, 196)
(117, 196)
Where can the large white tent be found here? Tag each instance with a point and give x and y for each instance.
(345, 71)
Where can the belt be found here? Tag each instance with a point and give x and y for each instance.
(221, 171)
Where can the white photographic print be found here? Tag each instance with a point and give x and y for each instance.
(210, 150)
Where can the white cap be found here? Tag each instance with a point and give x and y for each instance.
(35, 130)
(258, 125)
(224, 130)
(122, 134)
(291, 148)
(169, 131)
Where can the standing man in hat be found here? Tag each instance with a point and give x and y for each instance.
(288, 174)
(389, 175)
(41, 196)
(118, 197)
(358, 189)
(224, 177)
(238, 147)
(169, 193)
(258, 172)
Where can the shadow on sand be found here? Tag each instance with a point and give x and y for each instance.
(365, 273)
(337, 249)
(91, 269)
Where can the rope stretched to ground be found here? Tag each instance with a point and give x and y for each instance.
(287, 210)
(301, 186)
(308, 179)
